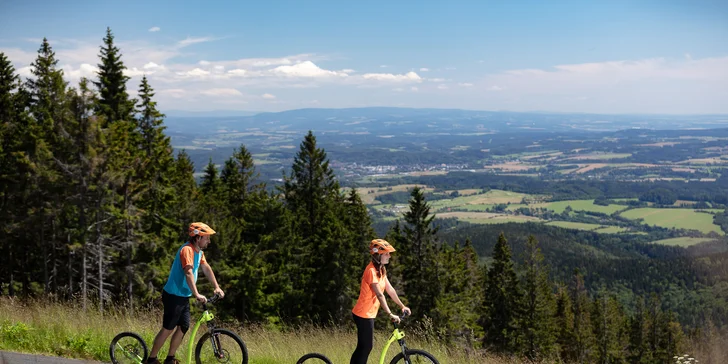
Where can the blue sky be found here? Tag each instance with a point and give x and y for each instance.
(583, 56)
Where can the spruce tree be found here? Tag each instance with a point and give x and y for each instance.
(322, 255)
(9, 171)
(639, 328)
(537, 326)
(564, 319)
(114, 102)
(583, 330)
(417, 257)
(502, 301)
(609, 329)
(49, 110)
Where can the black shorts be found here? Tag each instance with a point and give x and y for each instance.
(176, 311)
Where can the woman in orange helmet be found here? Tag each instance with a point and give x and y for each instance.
(181, 285)
(373, 283)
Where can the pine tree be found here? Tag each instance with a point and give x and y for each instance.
(609, 329)
(639, 348)
(49, 110)
(89, 180)
(564, 319)
(114, 102)
(157, 194)
(583, 331)
(322, 256)
(418, 258)
(537, 326)
(459, 292)
(502, 301)
(185, 188)
(9, 173)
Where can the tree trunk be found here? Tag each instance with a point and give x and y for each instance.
(130, 251)
(54, 271)
(71, 253)
(84, 276)
(100, 256)
(44, 250)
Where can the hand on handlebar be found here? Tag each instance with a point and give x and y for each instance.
(219, 292)
(406, 311)
(394, 318)
(201, 299)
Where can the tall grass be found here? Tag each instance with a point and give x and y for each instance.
(49, 328)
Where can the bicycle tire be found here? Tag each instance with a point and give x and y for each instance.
(314, 356)
(205, 339)
(399, 358)
(132, 335)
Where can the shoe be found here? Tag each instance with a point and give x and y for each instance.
(155, 361)
(173, 361)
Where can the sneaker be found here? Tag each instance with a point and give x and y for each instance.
(172, 361)
(155, 361)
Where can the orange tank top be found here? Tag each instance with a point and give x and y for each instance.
(367, 305)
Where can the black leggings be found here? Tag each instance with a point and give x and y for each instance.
(365, 340)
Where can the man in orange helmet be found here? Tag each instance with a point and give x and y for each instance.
(181, 285)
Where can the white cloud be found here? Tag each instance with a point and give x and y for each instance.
(176, 93)
(414, 89)
(383, 66)
(436, 79)
(151, 66)
(19, 57)
(442, 87)
(155, 29)
(423, 69)
(465, 84)
(193, 40)
(238, 72)
(75, 74)
(268, 96)
(134, 72)
(266, 62)
(398, 89)
(197, 72)
(204, 63)
(408, 77)
(226, 92)
(653, 85)
(347, 70)
(305, 69)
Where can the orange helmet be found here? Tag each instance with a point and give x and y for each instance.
(380, 246)
(200, 228)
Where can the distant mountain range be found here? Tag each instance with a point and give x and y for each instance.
(425, 121)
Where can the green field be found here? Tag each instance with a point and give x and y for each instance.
(579, 205)
(677, 218)
(682, 241)
(486, 217)
(588, 227)
(611, 230)
(574, 225)
(491, 197)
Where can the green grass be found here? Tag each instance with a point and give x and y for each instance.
(491, 197)
(611, 230)
(574, 225)
(64, 330)
(580, 205)
(677, 218)
(682, 241)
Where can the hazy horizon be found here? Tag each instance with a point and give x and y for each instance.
(618, 57)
